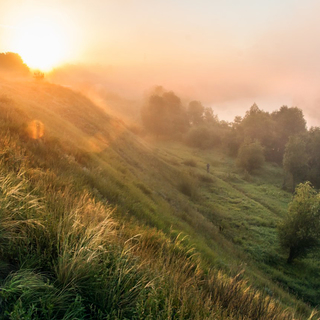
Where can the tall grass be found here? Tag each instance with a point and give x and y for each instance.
(95, 272)
(188, 185)
(28, 295)
(66, 256)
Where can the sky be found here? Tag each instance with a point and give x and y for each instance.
(228, 54)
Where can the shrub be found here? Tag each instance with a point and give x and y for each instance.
(250, 156)
(300, 230)
(203, 137)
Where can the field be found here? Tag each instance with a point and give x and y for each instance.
(99, 223)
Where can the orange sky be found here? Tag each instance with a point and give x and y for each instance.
(228, 54)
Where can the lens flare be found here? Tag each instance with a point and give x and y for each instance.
(35, 129)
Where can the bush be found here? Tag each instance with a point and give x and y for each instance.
(203, 137)
(250, 156)
(300, 230)
(231, 143)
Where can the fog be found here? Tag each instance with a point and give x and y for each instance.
(227, 54)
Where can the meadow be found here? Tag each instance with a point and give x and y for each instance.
(99, 223)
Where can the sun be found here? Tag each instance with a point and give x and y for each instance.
(41, 43)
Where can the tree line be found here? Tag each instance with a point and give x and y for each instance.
(280, 136)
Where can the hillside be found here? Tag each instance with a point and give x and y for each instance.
(97, 223)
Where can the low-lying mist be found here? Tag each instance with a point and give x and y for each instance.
(228, 89)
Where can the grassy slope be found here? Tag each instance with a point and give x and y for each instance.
(248, 208)
(154, 185)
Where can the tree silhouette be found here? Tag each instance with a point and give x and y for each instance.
(163, 114)
(11, 63)
(195, 112)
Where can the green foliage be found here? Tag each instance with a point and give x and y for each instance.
(163, 114)
(287, 122)
(295, 160)
(203, 137)
(300, 230)
(313, 151)
(231, 142)
(28, 295)
(188, 185)
(302, 159)
(55, 220)
(250, 156)
(271, 130)
(257, 125)
(195, 112)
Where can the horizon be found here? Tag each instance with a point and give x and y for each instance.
(223, 54)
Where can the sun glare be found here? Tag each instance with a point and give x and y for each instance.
(41, 44)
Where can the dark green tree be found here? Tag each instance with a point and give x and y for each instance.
(250, 156)
(295, 161)
(299, 232)
(204, 137)
(313, 151)
(287, 122)
(257, 125)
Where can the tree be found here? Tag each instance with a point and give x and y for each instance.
(195, 112)
(295, 160)
(299, 232)
(257, 125)
(313, 152)
(209, 117)
(11, 63)
(163, 114)
(203, 137)
(250, 156)
(287, 122)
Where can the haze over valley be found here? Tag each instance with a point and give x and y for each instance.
(159, 160)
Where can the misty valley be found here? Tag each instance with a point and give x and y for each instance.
(161, 211)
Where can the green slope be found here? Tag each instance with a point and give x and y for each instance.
(135, 264)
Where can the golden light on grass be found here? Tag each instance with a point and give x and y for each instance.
(97, 143)
(35, 129)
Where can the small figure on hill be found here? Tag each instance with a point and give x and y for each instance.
(208, 167)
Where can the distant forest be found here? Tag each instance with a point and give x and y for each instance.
(280, 136)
